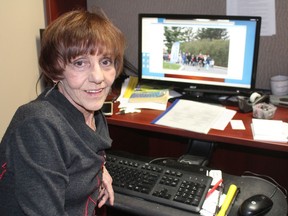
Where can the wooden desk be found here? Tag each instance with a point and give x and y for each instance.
(143, 120)
(235, 151)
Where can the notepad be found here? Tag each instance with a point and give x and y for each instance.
(269, 130)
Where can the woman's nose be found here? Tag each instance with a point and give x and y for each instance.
(97, 74)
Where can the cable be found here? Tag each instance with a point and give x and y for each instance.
(37, 83)
(43, 82)
(277, 185)
(129, 66)
(159, 159)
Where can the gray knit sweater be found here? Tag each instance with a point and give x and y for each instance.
(50, 160)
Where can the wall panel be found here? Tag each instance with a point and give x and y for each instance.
(273, 50)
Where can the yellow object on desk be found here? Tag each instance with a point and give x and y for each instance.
(231, 194)
(132, 83)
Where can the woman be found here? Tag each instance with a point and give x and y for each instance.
(52, 154)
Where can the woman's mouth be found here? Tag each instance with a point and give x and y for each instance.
(94, 91)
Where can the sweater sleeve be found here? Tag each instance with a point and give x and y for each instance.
(40, 173)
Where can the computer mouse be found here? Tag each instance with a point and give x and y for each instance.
(258, 204)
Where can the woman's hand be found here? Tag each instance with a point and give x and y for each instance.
(107, 191)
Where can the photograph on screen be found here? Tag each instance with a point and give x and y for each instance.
(195, 51)
(208, 51)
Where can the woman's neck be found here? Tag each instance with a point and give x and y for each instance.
(90, 121)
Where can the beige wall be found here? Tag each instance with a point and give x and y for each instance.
(20, 22)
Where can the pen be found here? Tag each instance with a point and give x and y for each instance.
(214, 188)
(221, 188)
(232, 191)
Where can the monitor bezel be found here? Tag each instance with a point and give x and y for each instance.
(196, 86)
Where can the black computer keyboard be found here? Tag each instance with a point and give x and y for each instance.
(158, 183)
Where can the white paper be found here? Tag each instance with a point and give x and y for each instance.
(193, 116)
(209, 206)
(222, 122)
(237, 125)
(263, 8)
(155, 106)
(269, 130)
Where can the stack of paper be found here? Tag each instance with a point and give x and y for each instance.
(211, 202)
(149, 99)
(269, 130)
(195, 116)
(145, 98)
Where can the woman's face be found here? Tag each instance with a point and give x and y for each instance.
(87, 81)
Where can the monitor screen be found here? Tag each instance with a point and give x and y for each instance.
(204, 52)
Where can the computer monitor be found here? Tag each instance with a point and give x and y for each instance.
(203, 53)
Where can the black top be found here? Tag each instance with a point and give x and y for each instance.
(51, 160)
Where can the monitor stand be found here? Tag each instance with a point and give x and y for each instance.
(224, 98)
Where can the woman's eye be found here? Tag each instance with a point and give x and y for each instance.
(78, 63)
(81, 63)
(107, 62)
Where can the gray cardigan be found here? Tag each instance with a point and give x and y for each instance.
(54, 160)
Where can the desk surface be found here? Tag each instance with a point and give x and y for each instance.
(249, 186)
(239, 137)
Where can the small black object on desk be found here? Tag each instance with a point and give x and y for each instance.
(258, 204)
